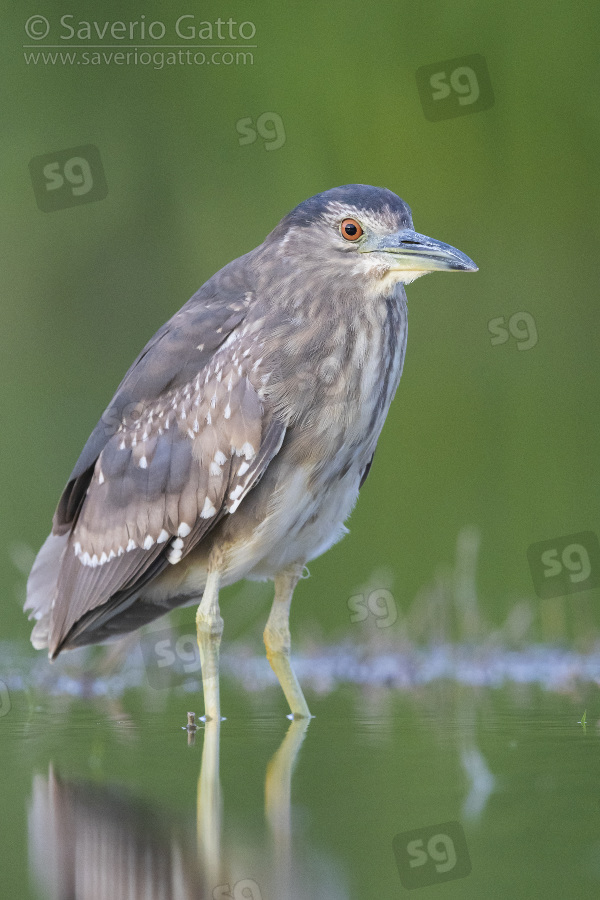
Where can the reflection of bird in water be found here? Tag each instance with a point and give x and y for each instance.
(236, 444)
(89, 841)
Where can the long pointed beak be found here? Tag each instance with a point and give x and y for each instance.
(414, 252)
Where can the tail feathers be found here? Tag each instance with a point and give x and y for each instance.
(120, 616)
(42, 587)
(40, 636)
(125, 611)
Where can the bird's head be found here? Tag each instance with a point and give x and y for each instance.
(359, 230)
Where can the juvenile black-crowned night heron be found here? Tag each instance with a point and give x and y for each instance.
(236, 444)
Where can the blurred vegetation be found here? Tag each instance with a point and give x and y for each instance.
(479, 435)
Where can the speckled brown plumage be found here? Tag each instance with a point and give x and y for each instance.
(248, 422)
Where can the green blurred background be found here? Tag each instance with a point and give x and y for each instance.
(479, 434)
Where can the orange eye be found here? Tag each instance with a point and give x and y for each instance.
(351, 229)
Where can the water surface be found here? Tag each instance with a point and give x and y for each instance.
(107, 795)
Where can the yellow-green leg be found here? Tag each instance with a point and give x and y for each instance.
(209, 810)
(278, 642)
(209, 628)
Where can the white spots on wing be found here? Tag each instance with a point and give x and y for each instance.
(175, 553)
(208, 510)
(215, 409)
(175, 550)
